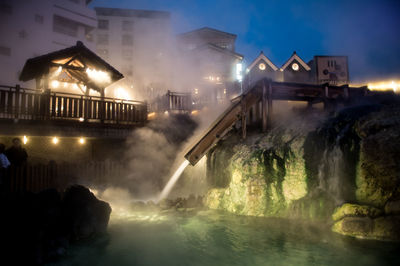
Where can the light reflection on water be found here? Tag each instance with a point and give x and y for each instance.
(211, 238)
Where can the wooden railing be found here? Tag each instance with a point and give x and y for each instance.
(172, 101)
(35, 178)
(22, 103)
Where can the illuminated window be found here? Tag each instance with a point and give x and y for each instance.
(89, 34)
(295, 67)
(261, 66)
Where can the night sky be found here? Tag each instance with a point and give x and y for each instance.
(367, 31)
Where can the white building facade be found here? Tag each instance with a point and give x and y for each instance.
(29, 28)
(137, 42)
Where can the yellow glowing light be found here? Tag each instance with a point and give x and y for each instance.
(196, 91)
(55, 140)
(81, 140)
(295, 66)
(55, 84)
(224, 91)
(57, 72)
(261, 66)
(98, 75)
(195, 112)
(166, 113)
(151, 115)
(385, 85)
(81, 119)
(121, 93)
(25, 140)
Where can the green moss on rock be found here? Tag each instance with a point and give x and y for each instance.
(349, 209)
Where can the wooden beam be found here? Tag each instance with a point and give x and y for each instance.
(222, 126)
(69, 67)
(264, 108)
(269, 115)
(244, 122)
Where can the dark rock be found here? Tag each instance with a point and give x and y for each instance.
(85, 215)
(37, 228)
(392, 207)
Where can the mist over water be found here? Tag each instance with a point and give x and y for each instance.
(211, 238)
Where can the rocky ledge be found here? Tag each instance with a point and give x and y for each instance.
(342, 170)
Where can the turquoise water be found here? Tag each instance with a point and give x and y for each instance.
(211, 238)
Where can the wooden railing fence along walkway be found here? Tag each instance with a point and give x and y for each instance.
(35, 178)
(22, 103)
(172, 101)
(255, 106)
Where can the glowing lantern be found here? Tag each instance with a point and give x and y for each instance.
(98, 75)
(55, 84)
(55, 140)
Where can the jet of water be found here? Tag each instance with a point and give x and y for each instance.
(167, 189)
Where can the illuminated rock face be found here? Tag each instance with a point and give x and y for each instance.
(313, 170)
(266, 176)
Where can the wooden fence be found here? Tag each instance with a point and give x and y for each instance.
(35, 178)
(22, 103)
(172, 101)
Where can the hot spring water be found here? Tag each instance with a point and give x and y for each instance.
(212, 238)
(174, 178)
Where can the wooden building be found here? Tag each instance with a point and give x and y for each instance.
(320, 70)
(295, 70)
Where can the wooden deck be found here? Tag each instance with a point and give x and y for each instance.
(28, 106)
(259, 99)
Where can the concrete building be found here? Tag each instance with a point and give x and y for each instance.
(29, 28)
(321, 69)
(212, 66)
(331, 69)
(137, 42)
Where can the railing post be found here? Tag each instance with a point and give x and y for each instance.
(45, 103)
(16, 104)
(264, 108)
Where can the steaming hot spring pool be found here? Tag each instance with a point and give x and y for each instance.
(213, 238)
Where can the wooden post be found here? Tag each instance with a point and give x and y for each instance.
(326, 107)
(38, 83)
(46, 103)
(346, 94)
(102, 106)
(244, 129)
(16, 106)
(269, 115)
(264, 108)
